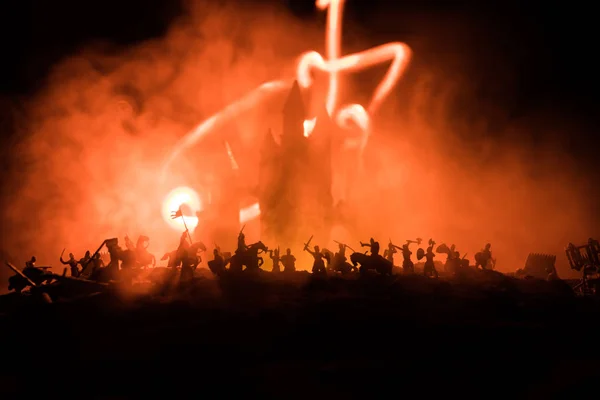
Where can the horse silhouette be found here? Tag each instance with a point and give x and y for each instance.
(370, 262)
(336, 263)
(249, 258)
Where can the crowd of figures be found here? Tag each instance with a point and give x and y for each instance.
(111, 262)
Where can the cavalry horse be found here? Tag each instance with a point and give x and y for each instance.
(249, 258)
(369, 262)
(336, 263)
(144, 257)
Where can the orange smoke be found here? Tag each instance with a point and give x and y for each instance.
(398, 53)
(90, 164)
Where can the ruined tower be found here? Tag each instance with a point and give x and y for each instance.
(295, 178)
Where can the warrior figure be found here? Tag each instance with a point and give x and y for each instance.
(36, 274)
(86, 258)
(453, 262)
(97, 263)
(373, 246)
(274, 254)
(318, 264)
(288, 261)
(30, 265)
(484, 257)
(241, 244)
(341, 254)
(407, 264)
(388, 253)
(217, 265)
(114, 252)
(429, 267)
(129, 243)
(72, 263)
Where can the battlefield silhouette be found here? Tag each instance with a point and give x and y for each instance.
(306, 300)
(368, 311)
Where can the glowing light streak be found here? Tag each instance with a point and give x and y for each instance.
(172, 202)
(234, 164)
(398, 53)
(247, 214)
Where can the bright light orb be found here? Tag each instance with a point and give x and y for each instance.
(172, 202)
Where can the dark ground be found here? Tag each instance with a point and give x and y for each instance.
(295, 337)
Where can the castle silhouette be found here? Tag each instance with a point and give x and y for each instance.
(295, 177)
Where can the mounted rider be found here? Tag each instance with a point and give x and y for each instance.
(241, 243)
(373, 246)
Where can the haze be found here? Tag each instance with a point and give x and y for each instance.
(92, 143)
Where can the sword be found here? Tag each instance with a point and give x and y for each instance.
(308, 243)
(345, 245)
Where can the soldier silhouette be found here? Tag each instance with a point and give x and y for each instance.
(388, 254)
(373, 246)
(341, 254)
(452, 264)
(114, 252)
(83, 261)
(274, 254)
(407, 264)
(288, 261)
(36, 274)
(217, 265)
(97, 263)
(318, 264)
(484, 257)
(72, 263)
(30, 264)
(241, 244)
(429, 267)
(129, 243)
(182, 250)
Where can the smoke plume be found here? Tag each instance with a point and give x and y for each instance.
(440, 164)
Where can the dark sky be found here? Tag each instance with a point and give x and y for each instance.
(548, 41)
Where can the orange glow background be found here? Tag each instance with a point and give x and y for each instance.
(93, 142)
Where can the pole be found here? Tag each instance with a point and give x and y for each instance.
(185, 225)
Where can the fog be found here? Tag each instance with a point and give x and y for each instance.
(439, 164)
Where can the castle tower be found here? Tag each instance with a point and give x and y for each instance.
(296, 201)
(269, 177)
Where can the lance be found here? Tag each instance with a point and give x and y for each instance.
(21, 274)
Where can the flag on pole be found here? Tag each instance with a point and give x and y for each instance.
(177, 214)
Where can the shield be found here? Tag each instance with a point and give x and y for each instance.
(442, 248)
(420, 253)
